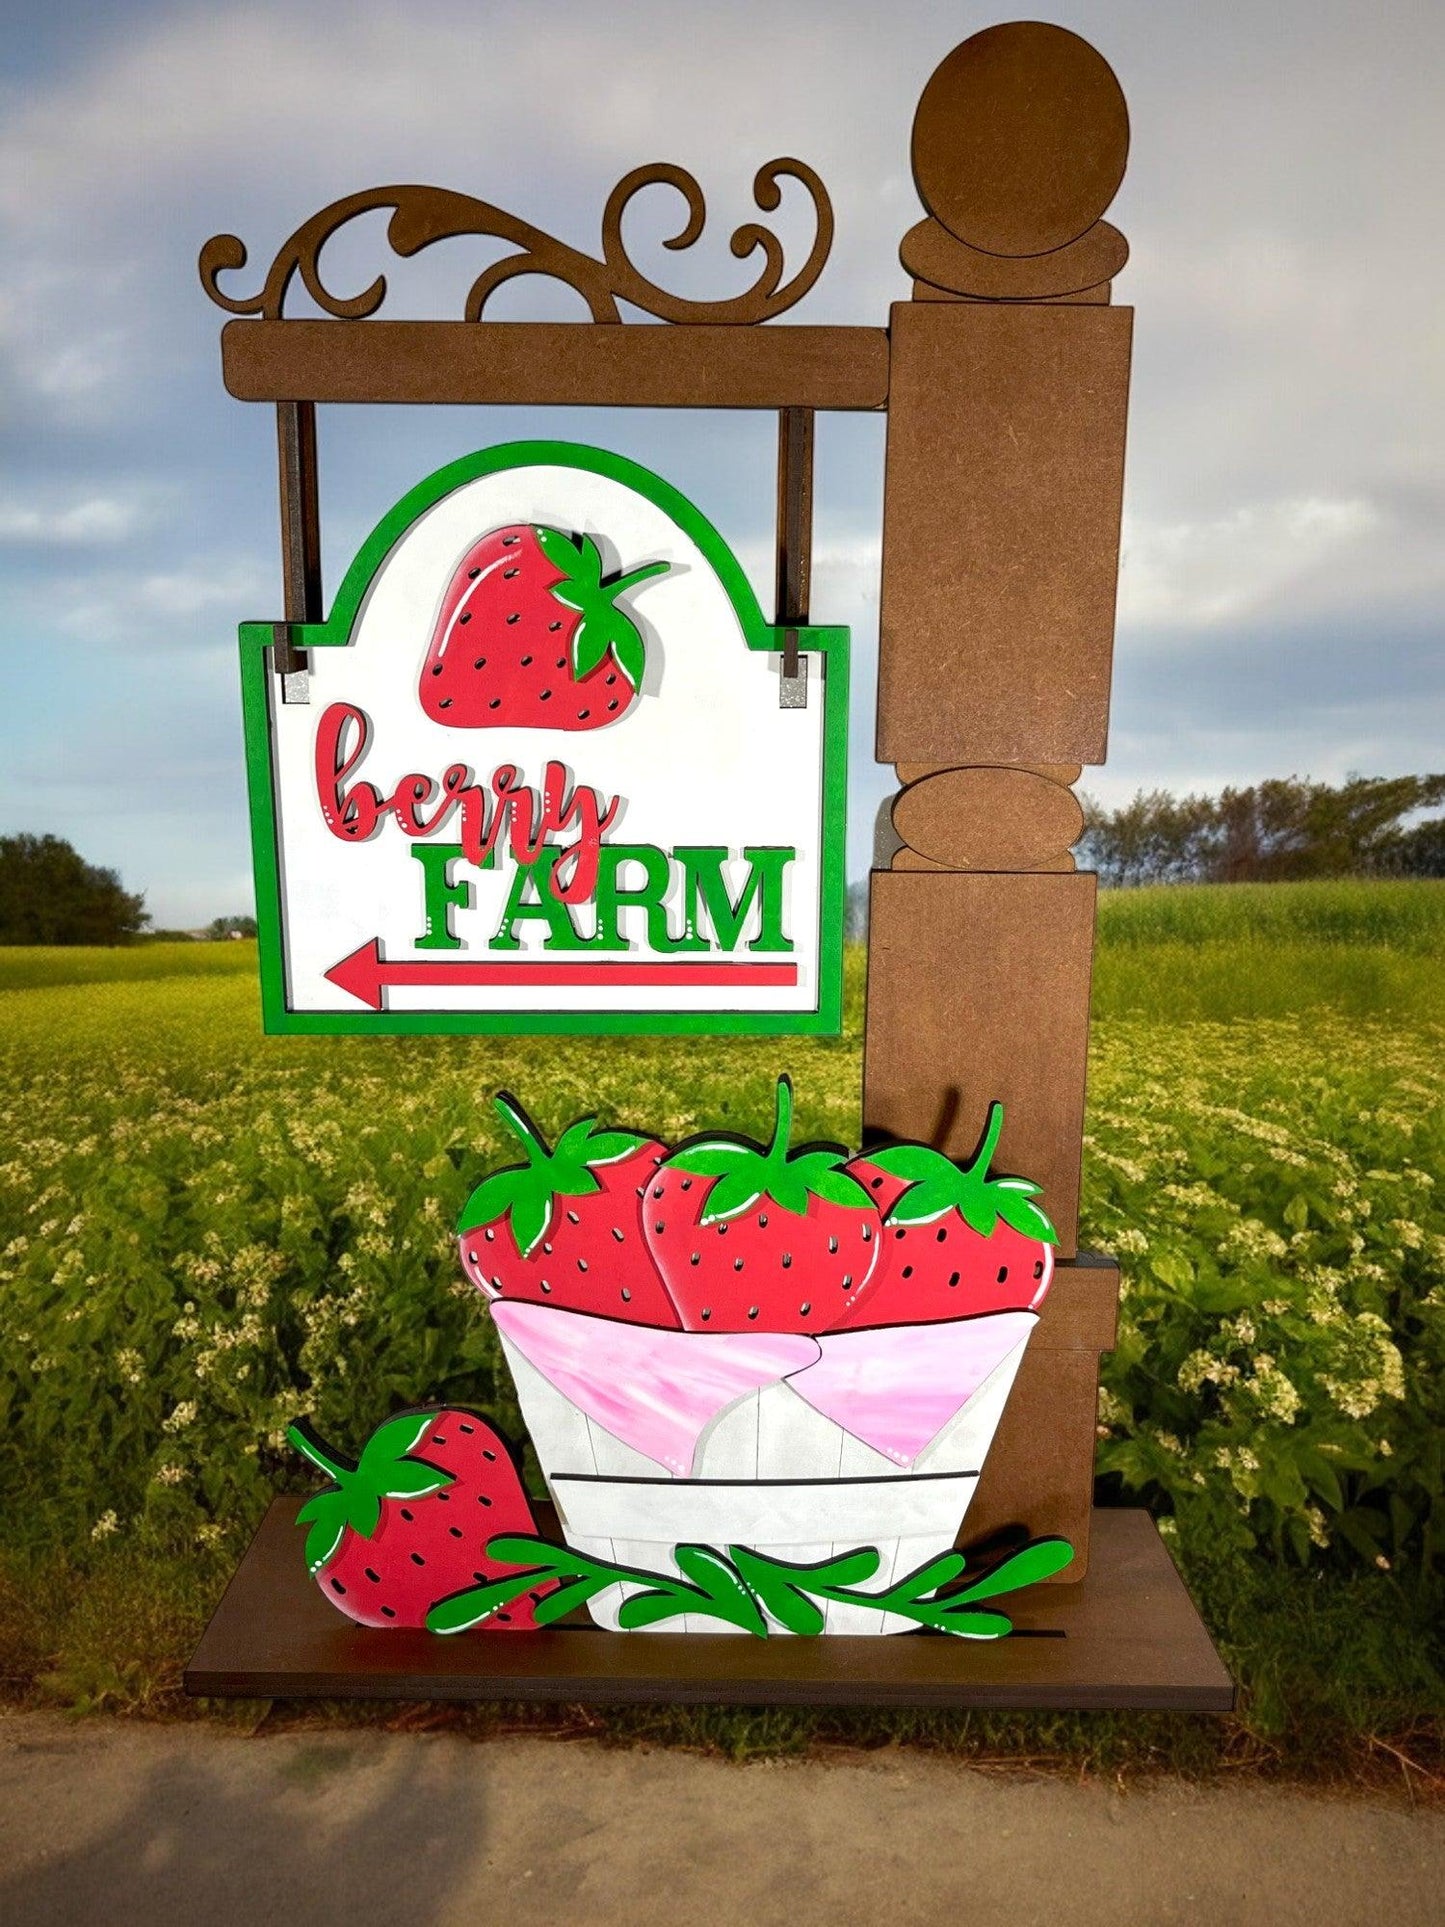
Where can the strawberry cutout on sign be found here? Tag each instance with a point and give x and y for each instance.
(409, 1522)
(956, 1242)
(530, 636)
(755, 1238)
(562, 1229)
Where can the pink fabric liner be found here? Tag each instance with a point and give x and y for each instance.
(655, 1390)
(898, 1386)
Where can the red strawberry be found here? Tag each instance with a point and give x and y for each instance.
(956, 1242)
(749, 1239)
(409, 1523)
(529, 634)
(562, 1229)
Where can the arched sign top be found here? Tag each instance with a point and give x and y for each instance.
(543, 779)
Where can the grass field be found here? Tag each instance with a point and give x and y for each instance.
(204, 1232)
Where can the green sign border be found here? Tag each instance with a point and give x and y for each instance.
(258, 692)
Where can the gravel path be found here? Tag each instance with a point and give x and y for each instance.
(114, 1824)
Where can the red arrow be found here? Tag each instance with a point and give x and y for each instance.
(365, 974)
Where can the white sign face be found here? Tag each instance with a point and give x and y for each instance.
(543, 778)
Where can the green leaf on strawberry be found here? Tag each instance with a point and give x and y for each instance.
(526, 1194)
(604, 629)
(936, 1186)
(384, 1471)
(746, 1173)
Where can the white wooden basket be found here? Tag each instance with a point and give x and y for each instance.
(768, 1470)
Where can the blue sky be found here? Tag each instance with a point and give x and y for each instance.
(1281, 590)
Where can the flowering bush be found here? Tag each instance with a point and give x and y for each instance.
(1280, 1371)
(204, 1234)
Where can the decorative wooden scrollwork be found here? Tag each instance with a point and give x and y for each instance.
(424, 215)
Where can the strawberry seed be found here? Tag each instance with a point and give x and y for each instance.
(336, 1586)
(705, 1316)
(737, 1264)
(388, 1612)
(417, 1559)
(618, 1234)
(696, 1258)
(516, 618)
(626, 1296)
(480, 663)
(1039, 1269)
(787, 1261)
(832, 1247)
(472, 574)
(867, 1234)
(1003, 1274)
(952, 1279)
(804, 1308)
(455, 1531)
(908, 1271)
(752, 1311)
(374, 1577)
(465, 616)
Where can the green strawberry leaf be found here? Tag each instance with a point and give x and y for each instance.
(729, 1197)
(825, 1180)
(1024, 1215)
(590, 643)
(393, 1440)
(561, 552)
(918, 1163)
(531, 1214)
(326, 1516)
(627, 647)
(712, 1157)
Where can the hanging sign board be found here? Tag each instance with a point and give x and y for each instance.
(546, 775)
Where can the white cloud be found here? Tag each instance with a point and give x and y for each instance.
(1198, 574)
(93, 519)
(163, 606)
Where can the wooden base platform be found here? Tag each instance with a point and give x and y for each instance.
(1127, 1636)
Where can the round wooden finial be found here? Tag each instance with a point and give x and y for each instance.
(1020, 139)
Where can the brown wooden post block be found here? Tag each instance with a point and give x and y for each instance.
(978, 988)
(1039, 1474)
(1002, 498)
(989, 819)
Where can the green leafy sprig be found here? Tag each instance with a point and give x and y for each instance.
(747, 1173)
(936, 1186)
(744, 1588)
(525, 1194)
(384, 1471)
(603, 626)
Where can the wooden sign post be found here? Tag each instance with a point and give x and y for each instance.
(764, 1381)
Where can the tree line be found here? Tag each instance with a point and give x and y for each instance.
(1279, 831)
